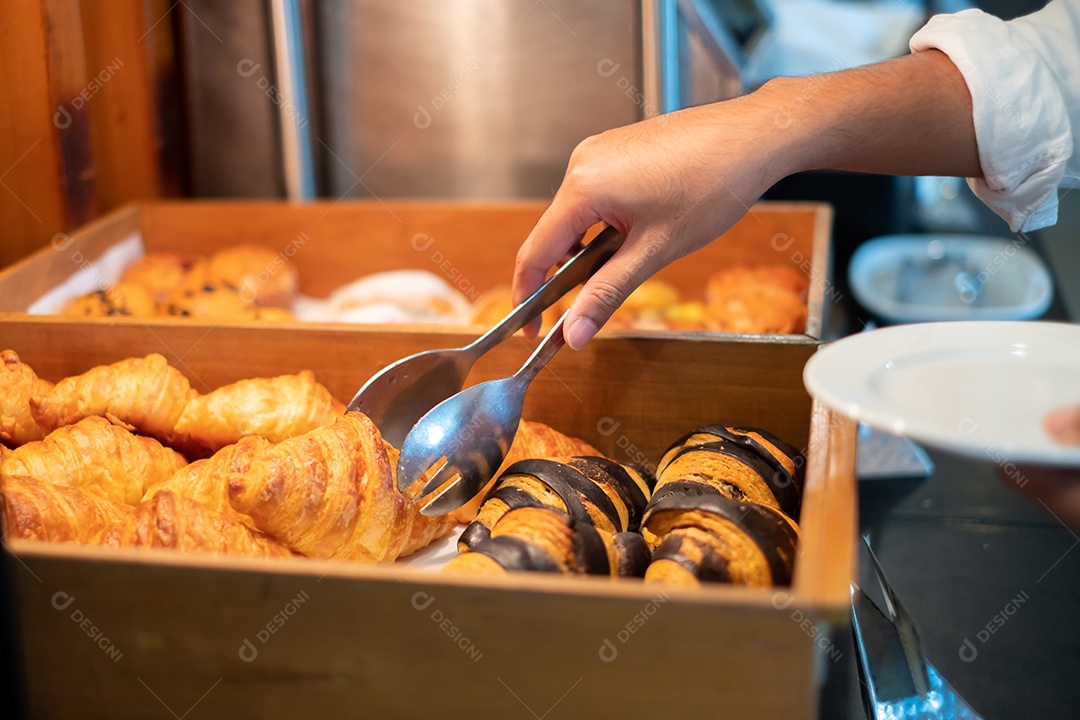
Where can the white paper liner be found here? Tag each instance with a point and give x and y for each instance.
(91, 275)
(99, 273)
(437, 554)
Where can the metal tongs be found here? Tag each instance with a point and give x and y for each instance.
(897, 680)
(414, 405)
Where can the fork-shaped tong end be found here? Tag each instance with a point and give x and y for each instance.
(472, 431)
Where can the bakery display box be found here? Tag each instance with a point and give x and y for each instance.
(470, 245)
(108, 633)
(119, 633)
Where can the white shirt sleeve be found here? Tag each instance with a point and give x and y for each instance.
(1024, 79)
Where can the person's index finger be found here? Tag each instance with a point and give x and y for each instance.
(556, 232)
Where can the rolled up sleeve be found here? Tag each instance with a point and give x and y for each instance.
(1023, 78)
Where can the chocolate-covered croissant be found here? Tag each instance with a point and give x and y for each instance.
(722, 509)
(574, 515)
(543, 539)
(745, 464)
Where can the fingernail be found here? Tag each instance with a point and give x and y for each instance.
(580, 332)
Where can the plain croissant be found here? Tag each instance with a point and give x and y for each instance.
(275, 408)
(39, 510)
(207, 481)
(96, 456)
(145, 394)
(178, 523)
(331, 493)
(18, 384)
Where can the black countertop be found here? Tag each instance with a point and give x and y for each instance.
(990, 577)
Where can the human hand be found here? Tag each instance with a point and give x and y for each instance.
(674, 183)
(670, 184)
(1056, 488)
(1063, 425)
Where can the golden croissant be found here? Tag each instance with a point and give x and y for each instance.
(18, 384)
(146, 394)
(332, 493)
(275, 408)
(39, 510)
(96, 456)
(178, 523)
(207, 481)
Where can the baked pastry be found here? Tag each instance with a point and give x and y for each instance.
(39, 510)
(698, 535)
(592, 490)
(748, 464)
(776, 275)
(572, 515)
(177, 523)
(262, 275)
(19, 383)
(96, 456)
(766, 299)
(207, 481)
(272, 314)
(276, 408)
(399, 296)
(124, 298)
(146, 394)
(756, 309)
(723, 507)
(533, 440)
(332, 493)
(211, 299)
(497, 303)
(542, 539)
(163, 272)
(651, 296)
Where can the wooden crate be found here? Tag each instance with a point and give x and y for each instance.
(471, 245)
(114, 633)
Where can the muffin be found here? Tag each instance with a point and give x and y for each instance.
(262, 275)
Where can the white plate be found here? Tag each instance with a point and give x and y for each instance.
(977, 388)
(1015, 282)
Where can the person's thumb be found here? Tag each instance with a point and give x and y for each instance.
(605, 291)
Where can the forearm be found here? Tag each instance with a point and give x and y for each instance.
(674, 183)
(907, 116)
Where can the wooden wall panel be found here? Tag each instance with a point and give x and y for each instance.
(87, 122)
(129, 53)
(34, 190)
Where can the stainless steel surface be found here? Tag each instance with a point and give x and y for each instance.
(470, 98)
(294, 118)
(897, 680)
(232, 123)
(430, 98)
(473, 431)
(910, 644)
(886, 688)
(403, 392)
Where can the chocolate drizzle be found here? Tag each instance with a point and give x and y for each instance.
(769, 529)
(515, 554)
(632, 553)
(775, 477)
(578, 483)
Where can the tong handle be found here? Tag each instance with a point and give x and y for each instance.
(576, 271)
(546, 350)
(905, 626)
